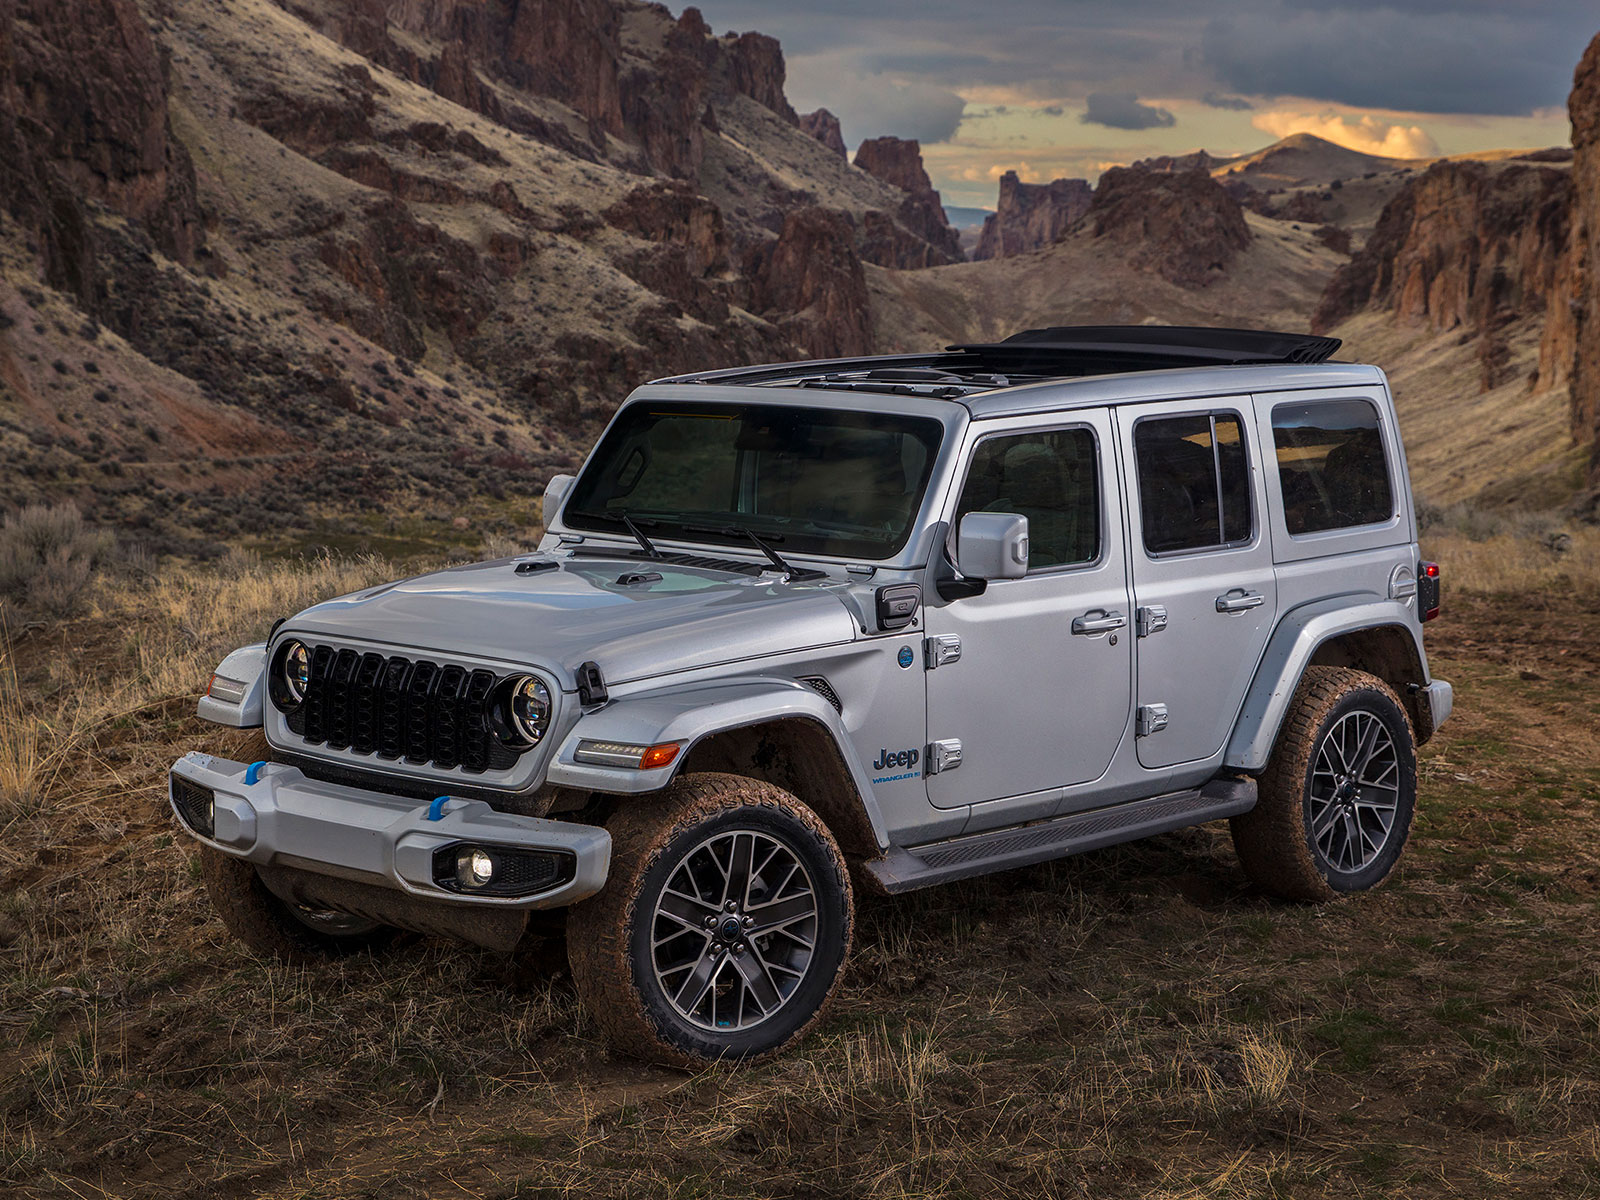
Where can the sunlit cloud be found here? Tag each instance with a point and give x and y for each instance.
(1366, 133)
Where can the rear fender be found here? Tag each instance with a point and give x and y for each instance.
(1293, 648)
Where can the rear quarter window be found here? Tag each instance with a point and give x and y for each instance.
(1332, 468)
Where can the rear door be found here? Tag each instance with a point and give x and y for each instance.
(1039, 695)
(1205, 594)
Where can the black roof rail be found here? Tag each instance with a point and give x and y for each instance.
(1153, 345)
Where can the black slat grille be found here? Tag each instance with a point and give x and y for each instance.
(395, 708)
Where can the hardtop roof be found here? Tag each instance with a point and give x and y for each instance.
(1067, 366)
(1049, 395)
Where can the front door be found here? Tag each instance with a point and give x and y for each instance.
(1204, 590)
(1039, 695)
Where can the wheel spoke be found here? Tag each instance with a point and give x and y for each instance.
(771, 915)
(699, 981)
(762, 990)
(689, 913)
(738, 884)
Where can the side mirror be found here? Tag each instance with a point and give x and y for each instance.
(555, 495)
(992, 546)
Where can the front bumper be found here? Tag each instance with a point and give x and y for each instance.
(284, 819)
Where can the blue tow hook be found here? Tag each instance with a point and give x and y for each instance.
(253, 773)
(436, 808)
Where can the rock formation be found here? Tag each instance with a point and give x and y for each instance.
(811, 283)
(1182, 225)
(85, 118)
(1463, 245)
(1571, 349)
(1030, 216)
(824, 126)
(898, 162)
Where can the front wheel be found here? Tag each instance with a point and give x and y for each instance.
(1337, 797)
(724, 926)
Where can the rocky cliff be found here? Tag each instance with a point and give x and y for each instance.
(898, 162)
(1181, 225)
(1030, 216)
(431, 245)
(1466, 245)
(84, 120)
(1570, 352)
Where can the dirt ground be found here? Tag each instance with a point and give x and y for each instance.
(1133, 1022)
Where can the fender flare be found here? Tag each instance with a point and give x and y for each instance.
(691, 713)
(1289, 651)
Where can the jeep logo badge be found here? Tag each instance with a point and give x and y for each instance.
(888, 759)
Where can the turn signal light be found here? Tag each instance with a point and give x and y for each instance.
(658, 756)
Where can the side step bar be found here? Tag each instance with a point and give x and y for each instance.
(902, 870)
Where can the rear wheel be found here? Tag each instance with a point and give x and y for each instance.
(272, 926)
(724, 926)
(1337, 797)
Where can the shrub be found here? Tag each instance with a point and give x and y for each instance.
(47, 556)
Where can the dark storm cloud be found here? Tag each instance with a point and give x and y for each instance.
(1233, 103)
(1467, 58)
(1475, 56)
(1122, 110)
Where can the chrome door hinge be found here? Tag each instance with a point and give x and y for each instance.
(943, 756)
(1152, 619)
(1152, 719)
(941, 648)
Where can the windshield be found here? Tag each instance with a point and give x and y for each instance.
(806, 480)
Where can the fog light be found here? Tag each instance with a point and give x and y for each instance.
(474, 868)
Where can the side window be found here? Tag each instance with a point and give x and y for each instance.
(1194, 482)
(1050, 478)
(1331, 465)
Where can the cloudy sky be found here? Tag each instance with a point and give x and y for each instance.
(1054, 88)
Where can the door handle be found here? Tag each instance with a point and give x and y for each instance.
(1104, 622)
(1239, 600)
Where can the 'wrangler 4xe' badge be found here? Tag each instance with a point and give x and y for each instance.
(889, 760)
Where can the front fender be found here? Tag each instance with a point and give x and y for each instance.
(247, 667)
(1288, 654)
(687, 715)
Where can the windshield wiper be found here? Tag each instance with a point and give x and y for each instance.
(629, 524)
(750, 536)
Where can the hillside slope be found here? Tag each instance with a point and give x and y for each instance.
(325, 262)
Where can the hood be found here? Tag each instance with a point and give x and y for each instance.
(578, 611)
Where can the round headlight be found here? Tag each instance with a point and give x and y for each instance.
(296, 671)
(529, 709)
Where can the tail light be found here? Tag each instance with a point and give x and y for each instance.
(1428, 590)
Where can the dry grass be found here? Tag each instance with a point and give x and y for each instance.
(1496, 552)
(1131, 1023)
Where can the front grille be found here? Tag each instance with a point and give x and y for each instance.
(395, 708)
(193, 803)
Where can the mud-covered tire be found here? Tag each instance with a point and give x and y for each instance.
(1277, 843)
(619, 939)
(268, 925)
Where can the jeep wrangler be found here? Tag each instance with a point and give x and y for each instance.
(864, 623)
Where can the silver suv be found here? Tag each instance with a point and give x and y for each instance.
(896, 621)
